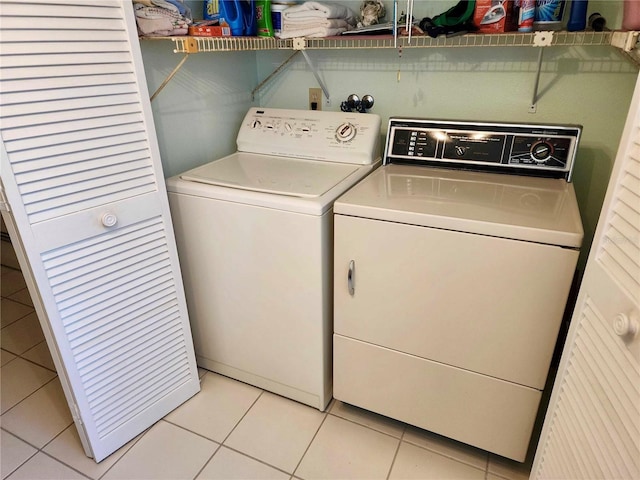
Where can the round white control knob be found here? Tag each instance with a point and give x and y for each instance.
(623, 325)
(255, 124)
(109, 220)
(345, 132)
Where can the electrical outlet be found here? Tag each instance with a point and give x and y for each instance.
(315, 99)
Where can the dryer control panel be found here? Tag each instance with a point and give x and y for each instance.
(526, 149)
(343, 137)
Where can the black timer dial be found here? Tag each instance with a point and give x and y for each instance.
(541, 151)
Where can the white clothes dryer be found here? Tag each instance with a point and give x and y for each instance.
(255, 239)
(453, 264)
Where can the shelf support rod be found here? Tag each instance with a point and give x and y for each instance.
(272, 74)
(169, 77)
(534, 100)
(315, 74)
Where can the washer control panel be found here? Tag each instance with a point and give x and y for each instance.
(343, 137)
(530, 149)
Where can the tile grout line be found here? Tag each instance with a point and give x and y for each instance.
(262, 391)
(208, 460)
(32, 393)
(395, 455)
(242, 418)
(28, 359)
(140, 435)
(306, 450)
(63, 463)
(401, 439)
(27, 459)
(221, 444)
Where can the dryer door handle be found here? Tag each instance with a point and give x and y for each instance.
(351, 277)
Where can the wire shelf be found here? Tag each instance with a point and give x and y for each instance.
(229, 44)
(235, 44)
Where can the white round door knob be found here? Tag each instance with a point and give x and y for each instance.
(624, 325)
(109, 220)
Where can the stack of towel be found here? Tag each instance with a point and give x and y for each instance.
(315, 19)
(163, 18)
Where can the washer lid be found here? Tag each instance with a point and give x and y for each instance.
(542, 210)
(278, 175)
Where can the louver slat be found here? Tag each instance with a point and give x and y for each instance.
(61, 8)
(19, 138)
(26, 48)
(71, 60)
(68, 93)
(40, 122)
(77, 161)
(30, 36)
(67, 23)
(53, 77)
(80, 104)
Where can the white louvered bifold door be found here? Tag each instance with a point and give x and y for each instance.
(82, 177)
(592, 427)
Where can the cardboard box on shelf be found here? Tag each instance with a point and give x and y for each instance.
(491, 16)
(210, 28)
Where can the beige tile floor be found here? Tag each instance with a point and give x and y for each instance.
(230, 430)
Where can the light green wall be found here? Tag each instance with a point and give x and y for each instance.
(198, 113)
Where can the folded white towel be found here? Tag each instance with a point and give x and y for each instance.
(312, 32)
(307, 23)
(311, 10)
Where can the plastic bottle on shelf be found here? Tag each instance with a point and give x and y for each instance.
(277, 7)
(263, 18)
(526, 15)
(249, 14)
(231, 12)
(578, 16)
(631, 15)
(210, 10)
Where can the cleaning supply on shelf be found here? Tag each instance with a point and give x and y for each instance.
(577, 16)
(495, 17)
(263, 18)
(210, 10)
(526, 15)
(231, 13)
(631, 15)
(276, 16)
(249, 15)
(548, 15)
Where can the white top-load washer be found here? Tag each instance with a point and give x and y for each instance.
(453, 265)
(255, 239)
